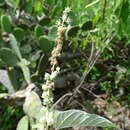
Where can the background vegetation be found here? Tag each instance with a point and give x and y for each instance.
(96, 42)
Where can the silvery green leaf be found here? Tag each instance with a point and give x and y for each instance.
(73, 118)
(3, 95)
(23, 123)
(32, 105)
(52, 35)
(15, 46)
(5, 80)
(37, 125)
(16, 50)
(26, 72)
(8, 57)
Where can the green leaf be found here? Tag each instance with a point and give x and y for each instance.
(12, 3)
(37, 6)
(97, 18)
(125, 11)
(2, 3)
(52, 33)
(9, 57)
(14, 76)
(6, 24)
(3, 95)
(23, 123)
(15, 46)
(5, 80)
(44, 21)
(87, 26)
(34, 57)
(29, 6)
(17, 3)
(23, 63)
(19, 34)
(38, 31)
(43, 64)
(72, 32)
(73, 118)
(64, 3)
(25, 69)
(26, 49)
(50, 2)
(45, 44)
(32, 105)
(118, 6)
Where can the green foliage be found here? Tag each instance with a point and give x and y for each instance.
(23, 123)
(38, 31)
(7, 113)
(31, 27)
(45, 44)
(87, 26)
(14, 46)
(9, 57)
(19, 33)
(72, 32)
(6, 23)
(73, 118)
(52, 35)
(6, 82)
(32, 105)
(44, 21)
(12, 3)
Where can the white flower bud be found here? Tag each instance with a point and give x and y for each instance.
(44, 87)
(45, 95)
(67, 10)
(46, 101)
(53, 75)
(57, 69)
(69, 21)
(64, 17)
(58, 22)
(47, 76)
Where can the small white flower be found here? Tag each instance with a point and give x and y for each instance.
(69, 21)
(60, 28)
(47, 76)
(64, 17)
(45, 95)
(45, 87)
(57, 69)
(17, 13)
(67, 10)
(51, 85)
(46, 102)
(58, 23)
(53, 75)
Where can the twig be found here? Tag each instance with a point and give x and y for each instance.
(108, 38)
(38, 66)
(57, 102)
(86, 89)
(81, 105)
(91, 4)
(104, 9)
(91, 54)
